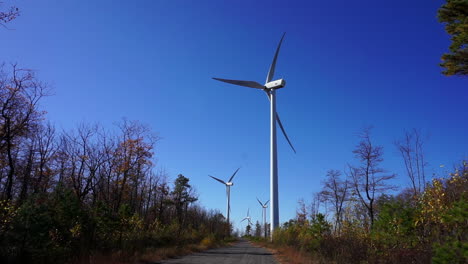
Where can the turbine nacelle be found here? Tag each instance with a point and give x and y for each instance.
(229, 183)
(275, 84)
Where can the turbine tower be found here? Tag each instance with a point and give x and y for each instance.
(270, 88)
(228, 184)
(264, 207)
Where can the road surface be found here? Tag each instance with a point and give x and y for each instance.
(242, 252)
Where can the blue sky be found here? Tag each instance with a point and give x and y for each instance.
(348, 64)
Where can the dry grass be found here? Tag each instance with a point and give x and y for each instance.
(289, 255)
(170, 252)
(153, 255)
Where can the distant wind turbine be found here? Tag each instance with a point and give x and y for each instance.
(264, 207)
(228, 184)
(270, 88)
(247, 218)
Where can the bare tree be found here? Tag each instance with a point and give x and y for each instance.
(314, 206)
(46, 149)
(8, 15)
(25, 166)
(79, 149)
(301, 212)
(411, 150)
(368, 179)
(335, 191)
(34, 160)
(104, 186)
(20, 93)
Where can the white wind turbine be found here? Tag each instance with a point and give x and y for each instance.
(264, 207)
(247, 218)
(270, 88)
(228, 184)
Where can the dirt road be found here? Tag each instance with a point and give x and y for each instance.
(242, 252)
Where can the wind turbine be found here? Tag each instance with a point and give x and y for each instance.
(264, 207)
(249, 223)
(270, 88)
(247, 218)
(228, 184)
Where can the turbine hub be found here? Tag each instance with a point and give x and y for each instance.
(275, 84)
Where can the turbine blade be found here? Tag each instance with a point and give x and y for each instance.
(232, 177)
(243, 219)
(250, 84)
(259, 202)
(271, 72)
(221, 181)
(267, 202)
(281, 126)
(284, 132)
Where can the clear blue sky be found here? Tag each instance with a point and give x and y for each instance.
(348, 64)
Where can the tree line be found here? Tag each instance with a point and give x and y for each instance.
(367, 221)
(66, 195)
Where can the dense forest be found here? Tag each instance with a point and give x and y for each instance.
(68, 195)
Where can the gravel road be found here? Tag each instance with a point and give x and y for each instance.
(242, 252)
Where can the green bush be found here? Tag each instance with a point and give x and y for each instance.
(44, 229)
(453, 247)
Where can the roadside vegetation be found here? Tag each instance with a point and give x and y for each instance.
(368, 221)
(76, 195)
(429, 228)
